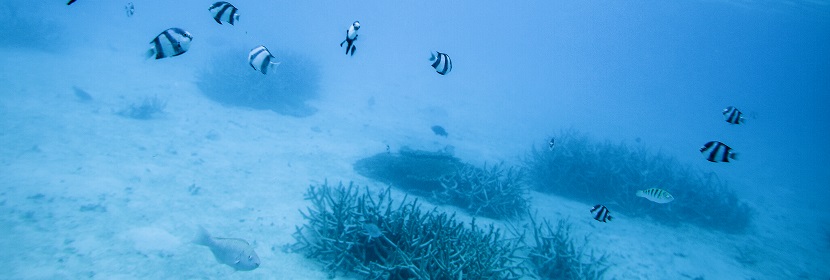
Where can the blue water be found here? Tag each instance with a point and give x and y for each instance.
(655, 72)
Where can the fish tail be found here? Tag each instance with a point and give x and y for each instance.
(151, 52)
(609, 218)
(203, 237)
(733, 155)
(640, 193)
(432, 56)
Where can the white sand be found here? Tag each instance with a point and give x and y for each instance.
(87, 193)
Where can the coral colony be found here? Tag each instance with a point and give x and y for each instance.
(589, 171)
(351, 232)
(495, 192)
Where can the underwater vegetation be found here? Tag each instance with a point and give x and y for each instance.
(602, 172)
(354, 232)
(229, 80)
(495, 192)
(555, 256)
(149, 108)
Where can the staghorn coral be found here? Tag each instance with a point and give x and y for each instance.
(413, 244)
(229, 80)
(495, 192)
(554, 255)
(582, 169)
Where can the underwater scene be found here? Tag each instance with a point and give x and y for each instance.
(250, 139)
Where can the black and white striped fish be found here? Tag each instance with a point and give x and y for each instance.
(551, 144)
(130, 9)
(602, 214)
(733, 115)
(351, 36)
(716, 151)
(655, 195)
(441, 62)
(224, 11)
(261, 59)
(171, 42)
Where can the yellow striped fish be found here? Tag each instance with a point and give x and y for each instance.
(656, 195)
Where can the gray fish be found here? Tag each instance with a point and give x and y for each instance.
(372, 230)
(656, 195)
(235, 252)
(440, 131)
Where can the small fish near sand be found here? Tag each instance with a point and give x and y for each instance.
(440, 131)
(602, 214)
(441, 62)
(351, 36)
(656, 195)
(82, 95)
(715, 151)
(234, 252)
(261, 59)
(372, 230)
(172, 42)
(733, 115)
(224, 11)
(551, 144)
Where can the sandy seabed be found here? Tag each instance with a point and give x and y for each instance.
(87, 193)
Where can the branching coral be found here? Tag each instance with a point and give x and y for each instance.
(555, 256)
(589, 171)
(411, 244)
(495, 192)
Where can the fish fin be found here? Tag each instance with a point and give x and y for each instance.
(151, 52)
(733, 155)
(203, 237)
(742, 120)
(609, 218)
(70, 2)
(353, 48)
